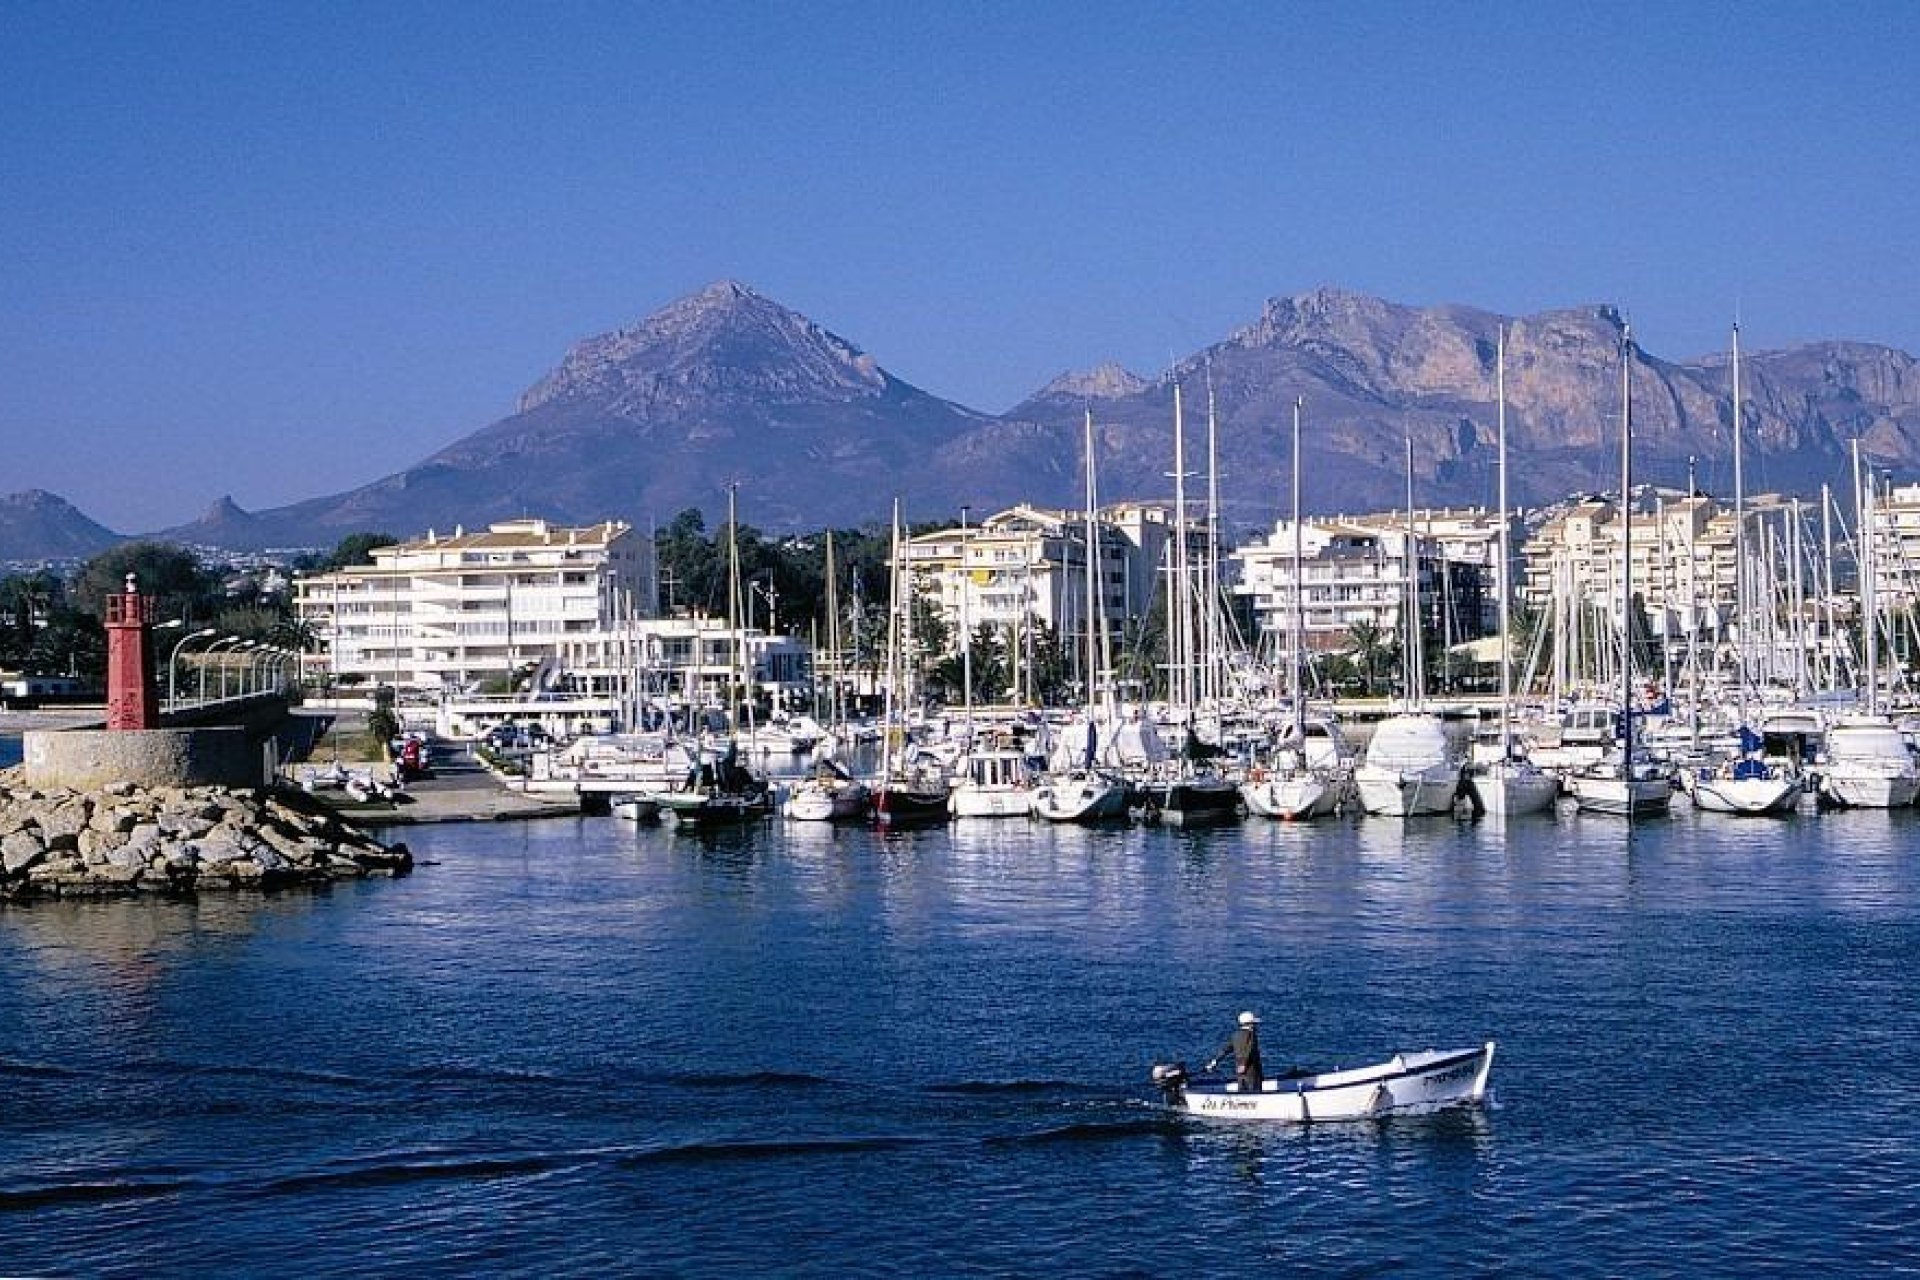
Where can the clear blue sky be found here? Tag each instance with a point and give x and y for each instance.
(280, 250)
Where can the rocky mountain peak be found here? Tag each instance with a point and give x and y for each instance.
(1107, 381)
(35, 524)
(724, 340)
(224, 509)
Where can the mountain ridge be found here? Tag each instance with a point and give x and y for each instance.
(725, 386)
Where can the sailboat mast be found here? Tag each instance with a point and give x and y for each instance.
(1506, 553)
(1180, 621)
(1093, 568)
(1864, 558)
(735, 611)
(1693, 614)
(893, 648)
(1299, 589)
(833, 636)
(1411, 665)
(1740, 621)
(1626, 545)
(1215, 643)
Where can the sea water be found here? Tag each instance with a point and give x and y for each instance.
(578, 1047)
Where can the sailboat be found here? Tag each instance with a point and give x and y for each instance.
(912, 788)
(1867, 764)
(1295, 783)
(1627, 782)
(1747, 785)
(1083, 791)
(829, 792)
(1411, 767)
(719, 790)
(1509, 784)
(1187, 790)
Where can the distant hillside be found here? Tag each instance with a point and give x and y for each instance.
(725, 386)
(37, 525)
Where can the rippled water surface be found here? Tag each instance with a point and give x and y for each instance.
(574, 1047)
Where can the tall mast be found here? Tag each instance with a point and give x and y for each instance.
(1093, 618)
(1211, 623)
(1823, 583)
(1693, 613)
(1411, 664)
(1506, 553)
(1798, 599)
(1626, 545)
(1740, 620)
(966, 629)
(833, 636)
(893, 648)
(1299, 589)
(1864, 558)
(735, 610)
(1180, 621)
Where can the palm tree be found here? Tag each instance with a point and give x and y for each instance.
(1374, 650)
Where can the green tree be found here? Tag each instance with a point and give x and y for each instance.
(356, 548)
(1051, 676)
(1375, 654)
(690, 571)
(179, 586)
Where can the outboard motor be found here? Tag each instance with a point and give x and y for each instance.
(1171, 1079)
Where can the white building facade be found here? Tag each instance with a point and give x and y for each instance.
(1354, 572)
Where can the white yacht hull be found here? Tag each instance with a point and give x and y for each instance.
(1294, 797)
(970, 801)
(1505, 791)
(1856, 786)
(1745, 797)
(813, 802)
(1407, 793)
(1621, 797)
(1079, 797)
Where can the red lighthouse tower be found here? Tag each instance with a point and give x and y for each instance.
(131, 700)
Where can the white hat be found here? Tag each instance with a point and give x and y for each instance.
(1248, 1020)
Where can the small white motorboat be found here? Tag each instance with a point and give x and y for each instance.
(635, 808)
(1405, 1084)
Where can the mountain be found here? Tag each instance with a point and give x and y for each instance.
(718, 387)
(1375, 375)
(726, 386)
(37, 525)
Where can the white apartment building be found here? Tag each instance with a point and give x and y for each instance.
(1027, 565)
(1683, 550)
(451, 611)
(1896, 561)
(572, 607)
(1354, 570)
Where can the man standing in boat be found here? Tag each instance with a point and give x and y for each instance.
(1244, 1046)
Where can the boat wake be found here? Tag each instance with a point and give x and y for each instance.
(1093, 1131)
(750, 1080)
(768, 1149)
(20, 1199)
(390, 1172)
(1007, 1087)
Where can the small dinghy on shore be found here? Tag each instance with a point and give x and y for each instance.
(1405, 1084)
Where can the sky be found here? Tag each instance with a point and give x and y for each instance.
(279, 251)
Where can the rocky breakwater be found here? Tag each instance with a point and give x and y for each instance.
(125, 839)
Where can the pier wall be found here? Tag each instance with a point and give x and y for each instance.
(91, 759)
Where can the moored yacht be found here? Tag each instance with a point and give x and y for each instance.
(1867, 765)
(1410, 767)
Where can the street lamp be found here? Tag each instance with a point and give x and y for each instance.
(250, 648)
(223, 640)
(253, 675)
(173, 659)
